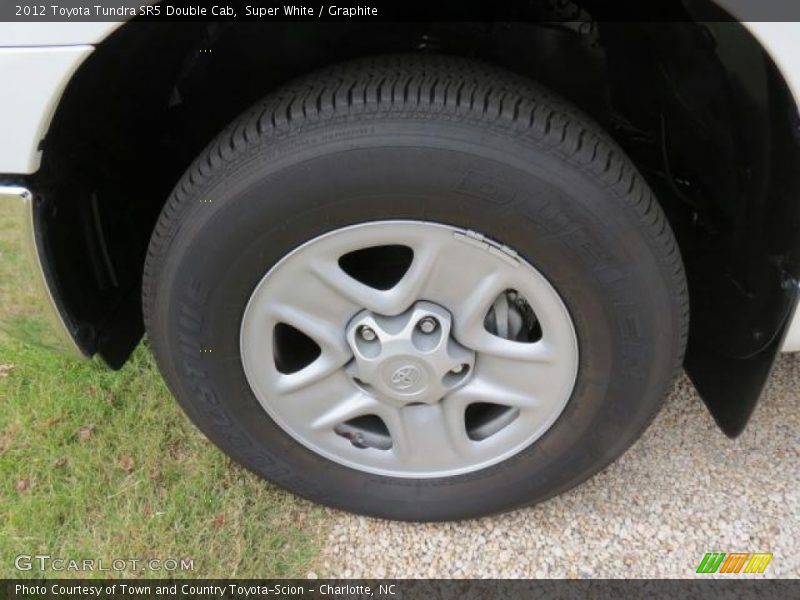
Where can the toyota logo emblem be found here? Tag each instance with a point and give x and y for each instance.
(405, 377)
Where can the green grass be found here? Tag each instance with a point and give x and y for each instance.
(98, 464)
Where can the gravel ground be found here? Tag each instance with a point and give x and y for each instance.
(682, 490)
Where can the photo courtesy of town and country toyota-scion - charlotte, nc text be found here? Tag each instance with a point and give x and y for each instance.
(217, 591)
(182, 11)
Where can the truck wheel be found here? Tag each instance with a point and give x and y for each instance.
(419, 288)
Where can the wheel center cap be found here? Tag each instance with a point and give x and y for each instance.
(405, 376)
(408, 358)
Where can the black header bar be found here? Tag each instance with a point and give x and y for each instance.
(399, 10)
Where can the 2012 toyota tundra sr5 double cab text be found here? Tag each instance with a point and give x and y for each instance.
(416, 270)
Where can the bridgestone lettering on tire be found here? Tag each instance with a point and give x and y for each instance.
(419, 288)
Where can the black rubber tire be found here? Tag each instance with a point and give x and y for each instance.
(436, 139)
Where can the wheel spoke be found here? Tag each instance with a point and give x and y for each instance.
(521, 384)
(387, 302)
(487, 392)
(355, 404)
(492, 345)
(313, 374)
(469, 311)
(407, 291)
(467, 280)
(307, 303)
(331, 339)
(469, 314)
(326, 402)
(422, 433)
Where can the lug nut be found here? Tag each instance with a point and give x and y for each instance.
(367, 333)
(427, 325)
(457, 369)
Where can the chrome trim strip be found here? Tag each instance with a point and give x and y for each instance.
(791, 343)
(28, 309)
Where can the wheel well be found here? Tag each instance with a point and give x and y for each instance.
(699, 107)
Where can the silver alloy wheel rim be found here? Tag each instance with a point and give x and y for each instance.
(455, 272)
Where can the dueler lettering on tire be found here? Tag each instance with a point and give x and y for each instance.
(423, 289)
